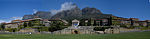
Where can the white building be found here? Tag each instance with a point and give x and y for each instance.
(75, 22)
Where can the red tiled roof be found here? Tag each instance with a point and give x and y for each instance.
(13, 23)
(122, 19)
(140, 21)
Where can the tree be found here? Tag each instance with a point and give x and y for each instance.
(30, 24)
(12, 29)
(25, 24)
(2, 26)
(42, 28)
(36, 22)
(124, 26)
(52, 28)
(92, 22)
(56, 25)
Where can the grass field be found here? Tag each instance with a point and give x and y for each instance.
(130, 35)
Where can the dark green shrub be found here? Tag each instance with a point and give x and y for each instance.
(42, 28)
(2, 26)
(52, 29)
(12, 29)
(100, 28)
(124, 26)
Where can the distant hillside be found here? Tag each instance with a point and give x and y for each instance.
(28, 17)
(85, 13)
(43, 14)
(70, 14)
(40, 14)
(88, 13)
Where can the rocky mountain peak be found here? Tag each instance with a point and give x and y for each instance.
(89, 10)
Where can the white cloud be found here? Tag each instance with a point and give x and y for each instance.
(34, 10)
(64, 6)
(68, 6)
(55, 11)
(15, 18)
(7, 20)
(2, 21)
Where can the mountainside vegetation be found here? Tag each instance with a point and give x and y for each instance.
(70, 14)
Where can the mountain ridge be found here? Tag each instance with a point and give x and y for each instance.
(75, 13)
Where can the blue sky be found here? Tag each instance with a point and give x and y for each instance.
(15, 9)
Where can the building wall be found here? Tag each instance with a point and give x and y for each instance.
(11, 26)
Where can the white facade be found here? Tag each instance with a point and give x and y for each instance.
(75, 22)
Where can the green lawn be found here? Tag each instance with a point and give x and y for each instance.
(131, 35)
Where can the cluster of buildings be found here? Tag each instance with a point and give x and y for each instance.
(129, 21)
(85, 22)
(114, 20)
(37, 22)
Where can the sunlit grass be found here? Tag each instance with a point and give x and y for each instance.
(130, 35)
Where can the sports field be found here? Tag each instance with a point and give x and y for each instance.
(130, 35)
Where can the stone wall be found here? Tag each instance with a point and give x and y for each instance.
(79, 29)
(84, 30)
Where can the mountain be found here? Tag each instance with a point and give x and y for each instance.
(25, 17)
(70, 11)
(88, 13)
(85, 13)
(43, 14)
(88, 10)
(74, 13)
(39, 14)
